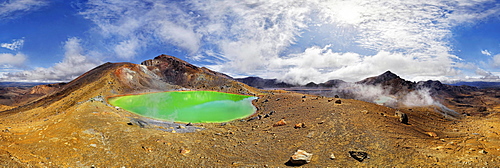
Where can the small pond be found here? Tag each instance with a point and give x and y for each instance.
(188, 106)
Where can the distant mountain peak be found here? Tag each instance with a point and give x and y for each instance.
(382, 78)
(388, 75)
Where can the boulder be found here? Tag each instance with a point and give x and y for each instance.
(300, 157)
(359, 156)
(299, 125)
(280, 123)
(403, 118)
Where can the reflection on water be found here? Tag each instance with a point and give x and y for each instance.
(188, 106)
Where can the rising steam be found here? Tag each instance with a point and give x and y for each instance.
(382, 95)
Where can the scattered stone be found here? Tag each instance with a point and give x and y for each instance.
(332, 156)
(93, 145)
(266, 116)
(139, 122)
(483, 152)
(278, 99)
(359, 156)
(431, 134)
(253, 118)
(272, 112)
(403, 118)
(336, 96)
(330, 100)
(299, 125)
(280, 123)
(482, 109)
(148, 149)
(304, 96)
(265, 101)
(338, 102)
(184, 151)
(189, 124)
(310, 135)
(300, 157)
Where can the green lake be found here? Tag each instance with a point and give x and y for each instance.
(188, 106)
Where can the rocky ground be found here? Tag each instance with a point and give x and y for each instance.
(75, 127)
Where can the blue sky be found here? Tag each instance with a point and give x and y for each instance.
(295, 41)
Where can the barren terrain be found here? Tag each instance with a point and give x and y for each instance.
(74, 126)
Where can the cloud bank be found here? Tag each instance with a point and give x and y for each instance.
(73, 65)
(14, 8)
(12, 59)
(296, 41)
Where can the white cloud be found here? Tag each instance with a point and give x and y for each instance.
(15, 45)
(13, 8)
(486, 52)
(12, 59)
(73, 65)
(133, 24)
(297, 40)
(127, 49)
(496, 61)
(486, 75)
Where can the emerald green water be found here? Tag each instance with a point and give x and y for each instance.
(188, 106)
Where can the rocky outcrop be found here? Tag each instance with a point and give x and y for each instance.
(175, 71)
(45, 89)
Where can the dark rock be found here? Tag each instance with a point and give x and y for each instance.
(403, 118)
(338, 102)
(138, 122)
(336, 96)
(253, 118)
(359, 156)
